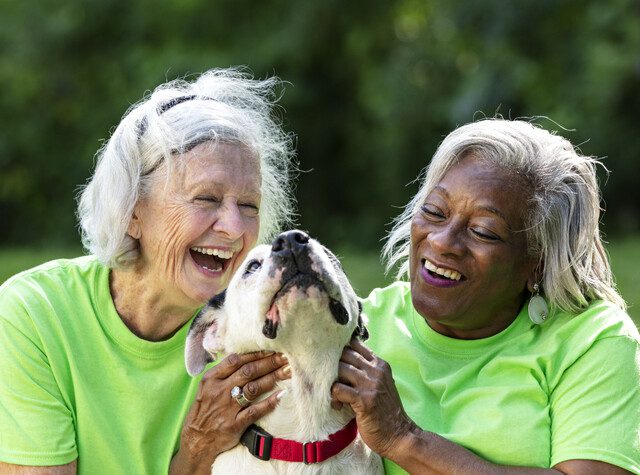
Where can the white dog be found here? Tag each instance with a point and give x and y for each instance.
(292, 297)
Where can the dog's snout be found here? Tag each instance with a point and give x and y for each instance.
(290, 242)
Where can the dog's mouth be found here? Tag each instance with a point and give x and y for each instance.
(300, 281)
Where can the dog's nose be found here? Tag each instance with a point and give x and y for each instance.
(290, 241)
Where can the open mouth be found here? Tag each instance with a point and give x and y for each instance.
(300, 281)
(441, 273)
(272, 318)
(212, 260)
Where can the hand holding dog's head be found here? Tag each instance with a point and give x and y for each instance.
(284, 297)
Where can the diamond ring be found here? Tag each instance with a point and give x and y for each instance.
(238, 395)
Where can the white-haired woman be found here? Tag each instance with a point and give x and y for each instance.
(510, 347)
(92, 378)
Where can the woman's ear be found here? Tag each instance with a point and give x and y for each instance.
(535, 277)
(134, 230)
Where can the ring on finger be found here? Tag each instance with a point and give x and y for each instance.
(238, 395)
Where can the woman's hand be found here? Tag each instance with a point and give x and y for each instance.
(216, 421)
(366, 384)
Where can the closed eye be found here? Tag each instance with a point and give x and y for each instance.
(208, 198)
(249, 209)
(484, 235)
(252, 266)
(432, 211)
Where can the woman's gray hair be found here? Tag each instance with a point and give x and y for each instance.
(222, 105)
(562, 217)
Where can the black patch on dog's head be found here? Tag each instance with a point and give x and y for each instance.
(217, 301)
(270, 329)
(339, 312)
(360, 333)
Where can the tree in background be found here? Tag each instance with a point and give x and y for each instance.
(374, 88)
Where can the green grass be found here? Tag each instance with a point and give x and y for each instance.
(364, 268)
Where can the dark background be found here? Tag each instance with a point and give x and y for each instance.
(374, 87)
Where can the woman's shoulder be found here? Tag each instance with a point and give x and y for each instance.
(601, 319)
(47, 283)
(52, 270)
(397, 293)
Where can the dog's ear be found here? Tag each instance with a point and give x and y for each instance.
(204, 332)
(360, 333)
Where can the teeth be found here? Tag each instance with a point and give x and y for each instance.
(218, 268)
(448, 273)
(213, 252)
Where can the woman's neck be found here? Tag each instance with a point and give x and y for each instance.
(145, 309)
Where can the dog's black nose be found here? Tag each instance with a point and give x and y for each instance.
(290, 241)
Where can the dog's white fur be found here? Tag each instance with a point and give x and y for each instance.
(309, 336)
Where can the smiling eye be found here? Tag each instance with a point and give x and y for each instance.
(248, 209)
(485, 235)
(432, 211)
(252, 267)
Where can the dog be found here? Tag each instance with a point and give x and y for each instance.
(291, 297)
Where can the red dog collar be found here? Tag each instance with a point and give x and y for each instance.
(264, 446)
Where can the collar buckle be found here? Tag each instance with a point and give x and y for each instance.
(312, 457)
(258, 441)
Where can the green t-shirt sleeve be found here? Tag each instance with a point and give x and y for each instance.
(595, 408)
(37, 425)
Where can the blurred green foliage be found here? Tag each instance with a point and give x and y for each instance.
(374, 87)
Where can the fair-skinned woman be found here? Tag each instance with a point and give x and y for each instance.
(510, 348)
(93, 377)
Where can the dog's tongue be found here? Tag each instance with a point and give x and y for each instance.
(273, 314)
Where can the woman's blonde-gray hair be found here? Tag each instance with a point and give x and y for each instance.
(222, 105)
(562, 216)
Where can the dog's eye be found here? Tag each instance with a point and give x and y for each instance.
(253, 266)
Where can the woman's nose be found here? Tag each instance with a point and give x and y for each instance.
(229, 220)
(447, 239)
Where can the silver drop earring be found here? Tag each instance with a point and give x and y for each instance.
(538, 309)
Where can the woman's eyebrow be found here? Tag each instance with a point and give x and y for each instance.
(488, 209)
(497, 212)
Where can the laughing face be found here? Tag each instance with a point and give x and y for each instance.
(469, 264)
(195, 228)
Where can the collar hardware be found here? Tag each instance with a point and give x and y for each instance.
(258, 441)
(264, 446)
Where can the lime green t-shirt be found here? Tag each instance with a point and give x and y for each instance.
(532, 395)
(76, 383)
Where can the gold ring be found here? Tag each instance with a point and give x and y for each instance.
(238, 395)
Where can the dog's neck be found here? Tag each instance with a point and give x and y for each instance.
(304, 413)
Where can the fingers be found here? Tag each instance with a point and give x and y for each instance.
(266, 383)
(248, 366)
(354, 358)
(257, 410)
(343, 394)
(362, 350)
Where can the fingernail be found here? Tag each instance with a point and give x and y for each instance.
(281, 394)
(286, 370)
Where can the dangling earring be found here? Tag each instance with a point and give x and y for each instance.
(538, 310)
